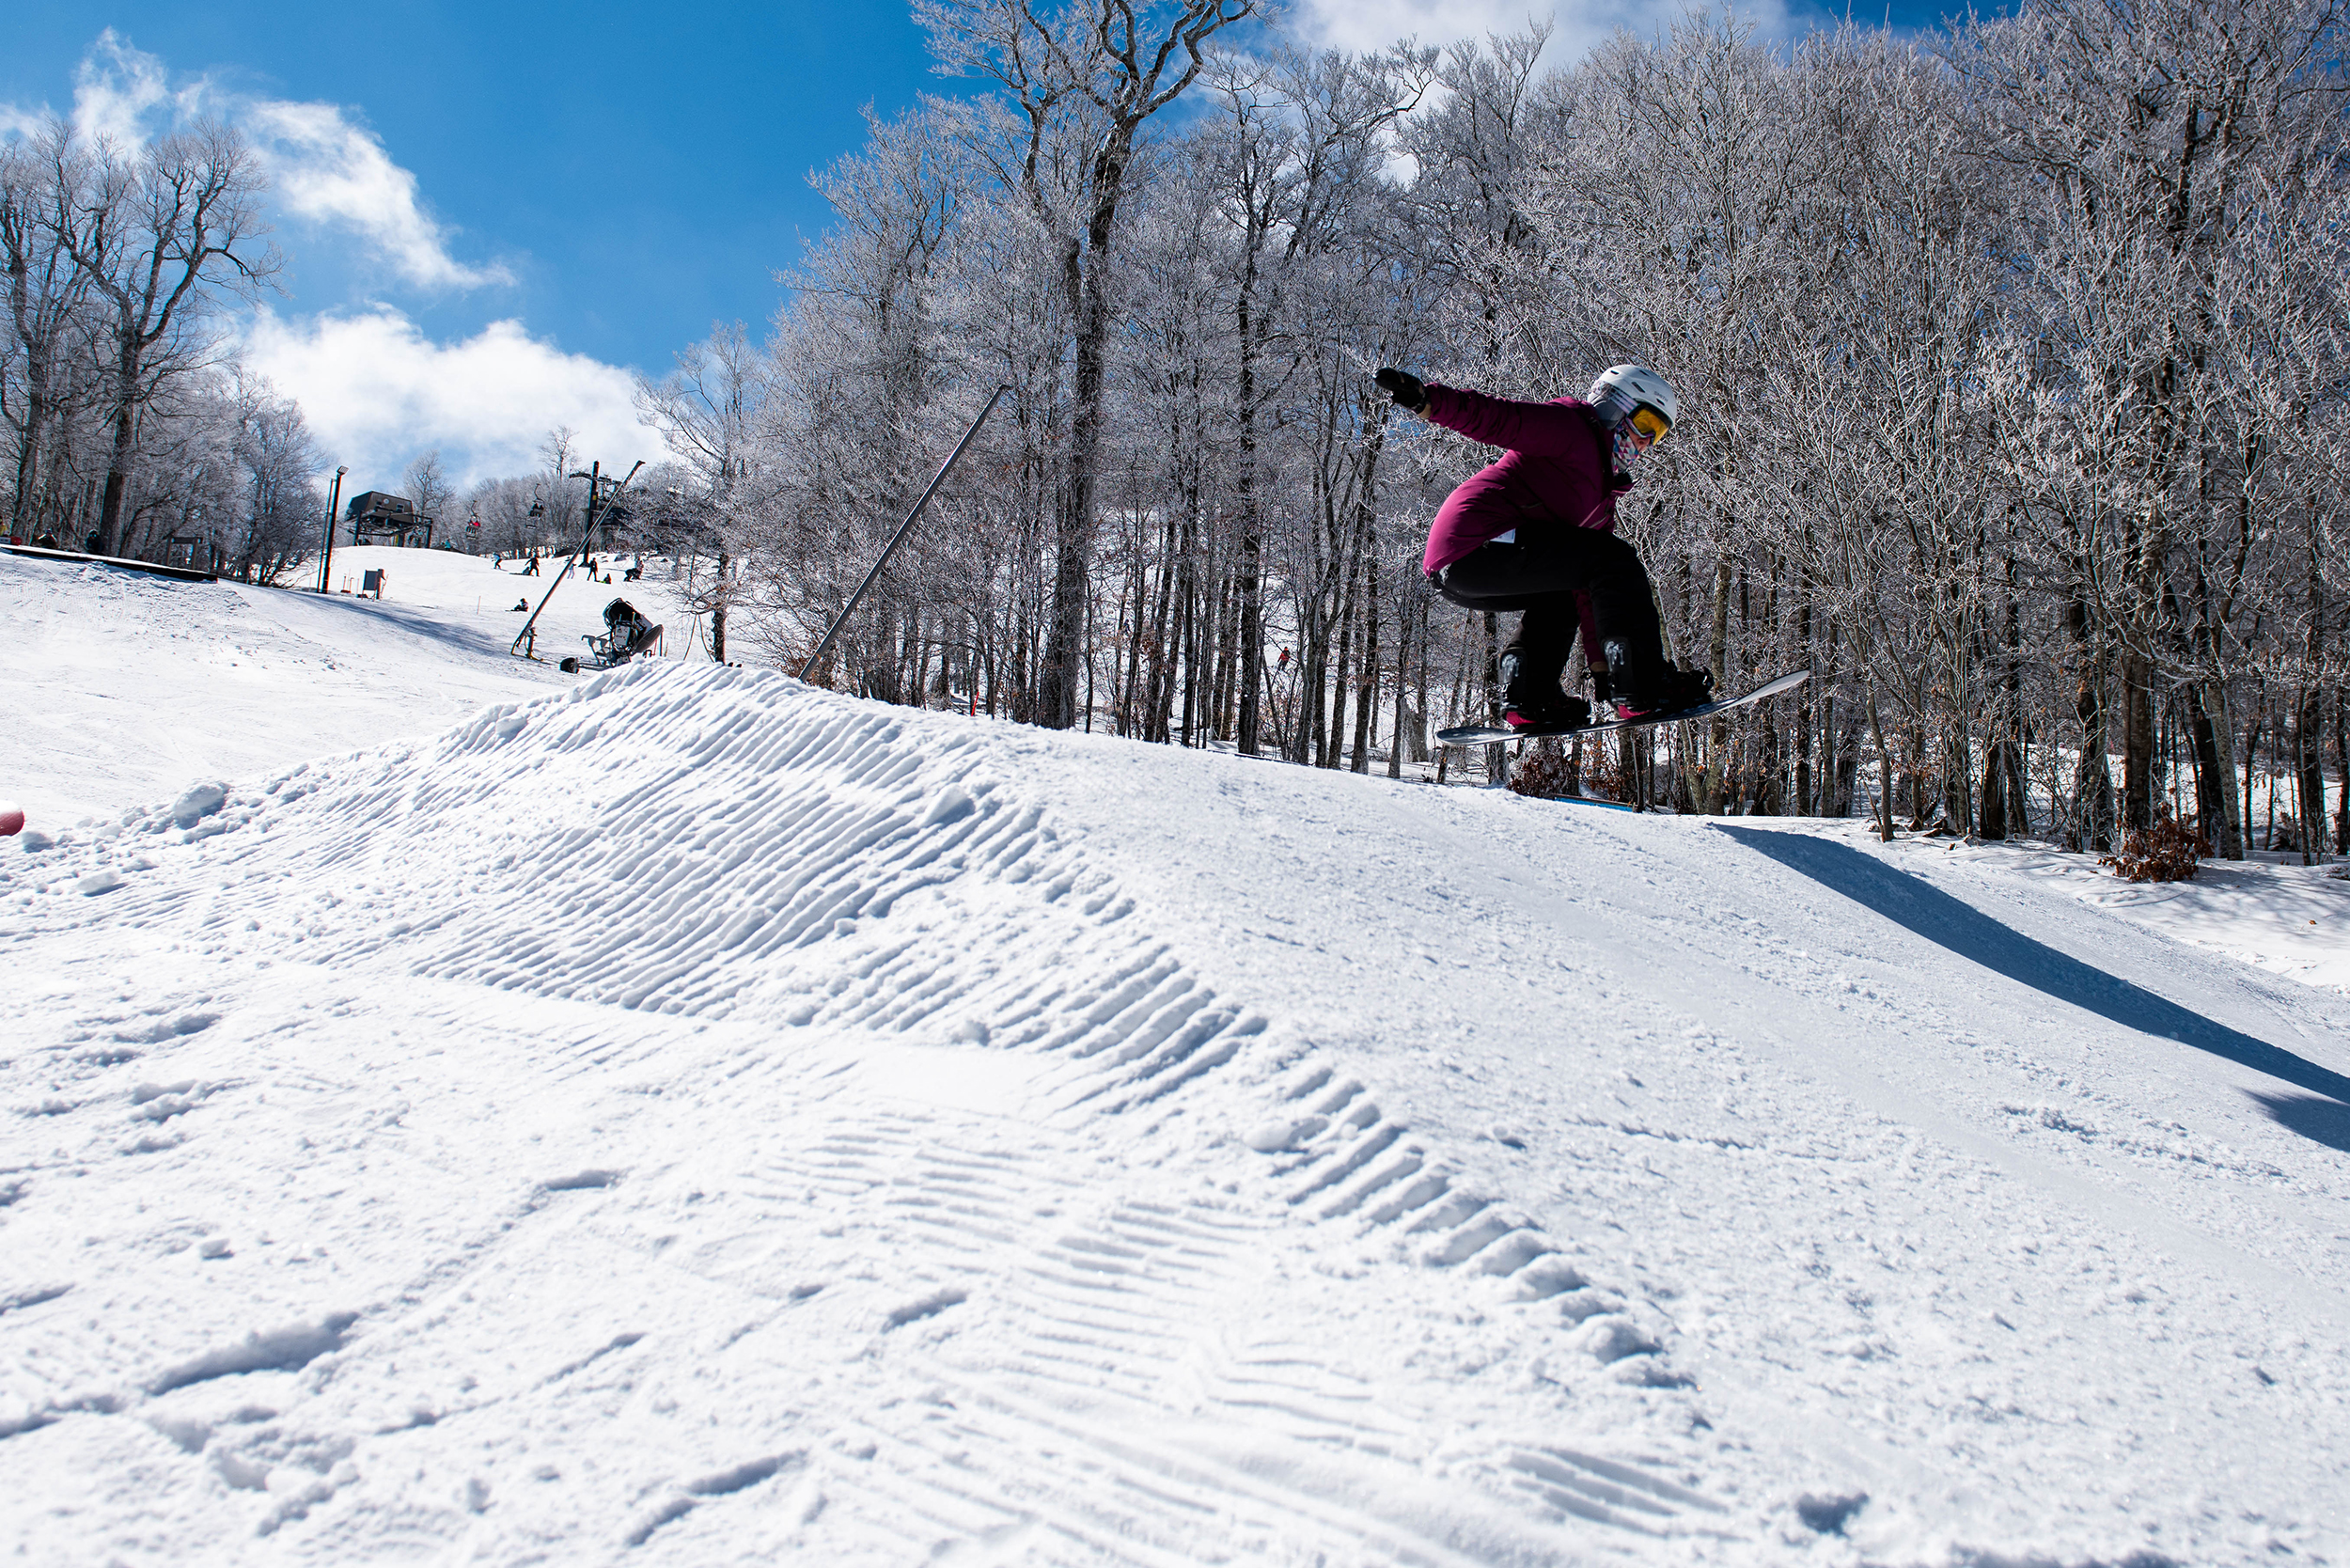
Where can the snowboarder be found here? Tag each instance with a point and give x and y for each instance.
(532, 570)
(1535, 532)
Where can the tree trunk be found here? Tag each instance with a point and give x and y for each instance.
(1367, 698)
(2308, 723)
(1330, 737)
(2308, 766)
(2092, 778)
(1991, 799)
(1718, 749)
(2341, 769)
(1251, 527)
(37, 372)
(1425, 636)
(1403, 688)
(718, 616)
(1804, 805)
(124, 454)
(1885, 768)
(2140, 782)
(2252, 756)
(2215, 779)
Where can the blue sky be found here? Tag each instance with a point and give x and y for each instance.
(640, 169)
(505, 207)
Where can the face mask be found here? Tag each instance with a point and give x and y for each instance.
(1628, 446)
(1635, 435)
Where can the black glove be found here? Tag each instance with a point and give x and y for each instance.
(1409, 392)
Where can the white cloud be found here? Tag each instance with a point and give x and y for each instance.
(324, 167)
(1368, 25)
(118, 89)
(377, 392)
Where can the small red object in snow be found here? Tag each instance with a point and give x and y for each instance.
(11, 819)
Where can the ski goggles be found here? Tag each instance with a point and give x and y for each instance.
(1647, 426)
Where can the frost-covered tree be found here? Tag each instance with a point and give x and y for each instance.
(1086, 81)
(2011, 363)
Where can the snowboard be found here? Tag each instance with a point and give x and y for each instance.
(1487, 734)
(1586, 800)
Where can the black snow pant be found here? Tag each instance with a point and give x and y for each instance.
(1549, 578)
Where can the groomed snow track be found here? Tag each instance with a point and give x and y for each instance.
(825, 1158)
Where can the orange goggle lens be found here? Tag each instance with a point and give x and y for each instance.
(1650, 424)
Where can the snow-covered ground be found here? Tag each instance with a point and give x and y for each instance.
(685, 1116)
(123, 686)
(2272, 912)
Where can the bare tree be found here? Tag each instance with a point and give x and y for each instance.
(47, 289)
(2014, 401)
(156, 231)
(282, 504)
(426, 484)
(1111, 65)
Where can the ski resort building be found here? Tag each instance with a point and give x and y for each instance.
(379, 516)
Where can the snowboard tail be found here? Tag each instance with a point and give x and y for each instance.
(1488, 734)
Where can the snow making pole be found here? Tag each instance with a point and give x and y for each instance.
(899, 538)
(526, 645)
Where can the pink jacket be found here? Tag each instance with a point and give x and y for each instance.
(1558, 472)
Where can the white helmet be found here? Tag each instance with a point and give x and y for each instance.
(1622, 390)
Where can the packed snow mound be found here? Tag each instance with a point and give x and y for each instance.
(723, 846)
(698, 1118)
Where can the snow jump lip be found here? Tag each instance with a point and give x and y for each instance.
(1918, 906)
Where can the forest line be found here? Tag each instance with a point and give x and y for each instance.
(2011, 372)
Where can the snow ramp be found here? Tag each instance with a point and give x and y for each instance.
(698, 1118)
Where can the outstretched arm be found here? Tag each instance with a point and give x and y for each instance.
(1539, 430)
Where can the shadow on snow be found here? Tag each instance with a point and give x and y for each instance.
(1912, 903)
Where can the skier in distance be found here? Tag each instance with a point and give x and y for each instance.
(1535, 532)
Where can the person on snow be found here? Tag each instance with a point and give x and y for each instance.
(1536, 532)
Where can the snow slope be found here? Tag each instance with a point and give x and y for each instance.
(2270, 911)
(691, 1118)
(124, 686)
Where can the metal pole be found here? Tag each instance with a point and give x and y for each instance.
(903, 528)
(595, 486)
(334, 499)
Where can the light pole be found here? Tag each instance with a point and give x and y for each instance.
(334, 499)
